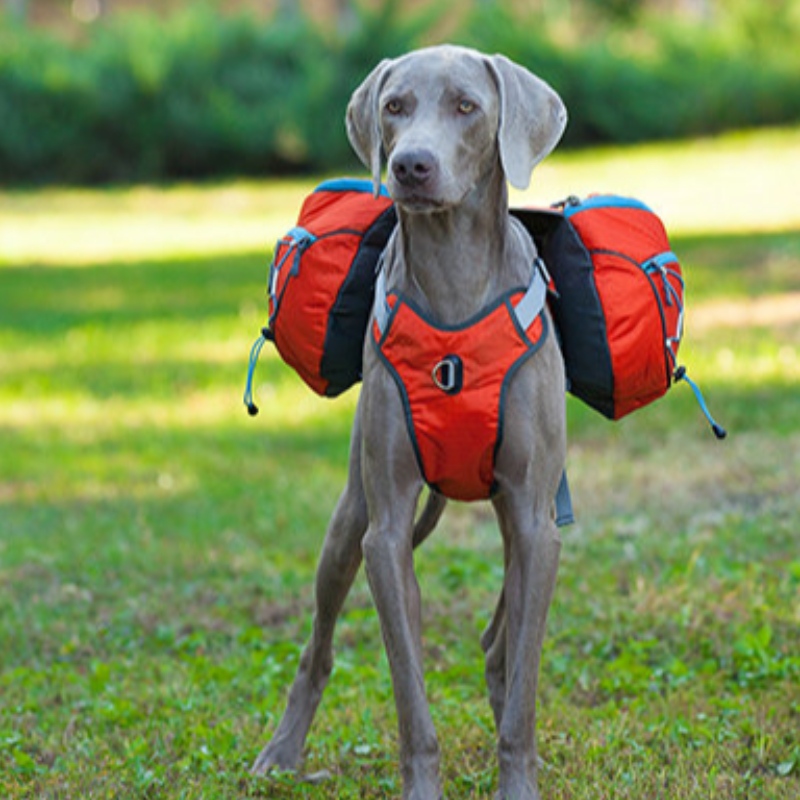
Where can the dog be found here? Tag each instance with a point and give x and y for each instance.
(453, 126)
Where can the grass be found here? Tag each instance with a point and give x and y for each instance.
(157, 546)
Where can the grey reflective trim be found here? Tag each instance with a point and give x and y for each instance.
(381, 309)
(533, 302)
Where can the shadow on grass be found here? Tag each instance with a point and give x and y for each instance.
(50, 300)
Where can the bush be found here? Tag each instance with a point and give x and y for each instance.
(657, 79)
(205, 95)
(209, 94)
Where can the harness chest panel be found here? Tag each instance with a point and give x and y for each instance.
(453, 383)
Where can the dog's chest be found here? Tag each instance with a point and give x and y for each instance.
(452, 381)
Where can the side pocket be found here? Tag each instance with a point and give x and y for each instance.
(292, 246)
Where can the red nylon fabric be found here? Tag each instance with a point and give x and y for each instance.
(456, 435)
(637, 318)
(323, 269)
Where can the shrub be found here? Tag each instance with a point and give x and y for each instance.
(210, 94)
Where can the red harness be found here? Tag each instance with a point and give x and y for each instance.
(453, 381)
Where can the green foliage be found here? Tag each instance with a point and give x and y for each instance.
(205, 93)
(656, 79)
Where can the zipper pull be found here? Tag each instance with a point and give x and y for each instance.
(571, 201)
(266, 336)
(680, 375)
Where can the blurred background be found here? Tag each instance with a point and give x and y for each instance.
(157, 545)
(98, 91)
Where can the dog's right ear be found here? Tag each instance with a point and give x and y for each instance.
(363, 122)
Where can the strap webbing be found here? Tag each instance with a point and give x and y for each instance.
(526, 311)
(381, 308)
(533, 302)
(564, 514)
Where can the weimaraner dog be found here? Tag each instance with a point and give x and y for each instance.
(454, 125)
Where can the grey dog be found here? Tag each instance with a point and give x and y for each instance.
(454, 126)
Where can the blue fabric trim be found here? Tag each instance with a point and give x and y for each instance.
(299, 235)
(662, 260)
(349, 185)
(604, 201)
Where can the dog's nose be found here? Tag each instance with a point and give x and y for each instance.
(414, 167)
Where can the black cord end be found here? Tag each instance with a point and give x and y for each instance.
(252, 409)
(719, 431)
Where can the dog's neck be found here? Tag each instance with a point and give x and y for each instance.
(459, 259)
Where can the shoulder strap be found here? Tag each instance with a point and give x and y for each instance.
(526, 311)
(381, 307)
(534, 299)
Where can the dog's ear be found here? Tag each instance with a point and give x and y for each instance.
(363, 122)
(532, 119)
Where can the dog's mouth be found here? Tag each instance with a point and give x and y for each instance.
(420, 204)
(416, 201)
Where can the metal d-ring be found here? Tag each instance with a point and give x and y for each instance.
(448, 374)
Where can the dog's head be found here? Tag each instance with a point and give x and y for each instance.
(443, 116)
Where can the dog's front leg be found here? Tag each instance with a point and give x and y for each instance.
(393, 486)
(338, 566)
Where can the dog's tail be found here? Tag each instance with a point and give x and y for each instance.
(429, 517)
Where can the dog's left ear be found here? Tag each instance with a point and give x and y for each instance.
(363, 122)
(532, 119)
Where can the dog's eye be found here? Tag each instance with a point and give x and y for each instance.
(394, 107)
(466, 107)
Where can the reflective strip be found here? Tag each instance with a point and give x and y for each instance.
(533, 302)
(381, 308)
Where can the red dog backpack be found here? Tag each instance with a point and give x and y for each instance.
(321, 284)
(617, 299)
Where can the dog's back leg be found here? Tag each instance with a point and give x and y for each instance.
(339, 563)
(493, 643)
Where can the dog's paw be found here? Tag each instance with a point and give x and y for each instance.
(271, 761)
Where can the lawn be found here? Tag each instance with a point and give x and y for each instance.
(157, 546)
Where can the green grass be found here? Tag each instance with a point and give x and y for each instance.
(157, 546)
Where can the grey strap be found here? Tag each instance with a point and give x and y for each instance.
(564, 515)
(533, 302)
(381, 307)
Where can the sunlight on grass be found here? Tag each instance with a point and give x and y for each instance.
(84, 226)
(734, 183)
(287, 406)
(740, 182)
